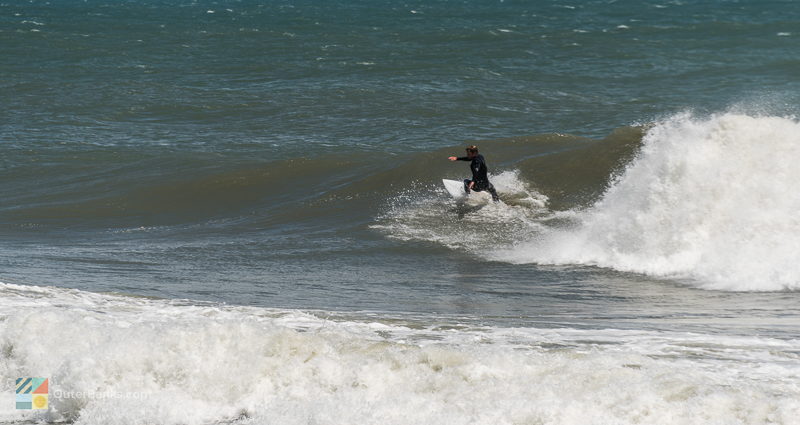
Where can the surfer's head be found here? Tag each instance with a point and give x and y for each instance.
(472, 150)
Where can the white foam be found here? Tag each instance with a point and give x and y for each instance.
(192, 364)
(436, 218)
(713, 200)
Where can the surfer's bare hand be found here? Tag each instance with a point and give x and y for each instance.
(452, 158)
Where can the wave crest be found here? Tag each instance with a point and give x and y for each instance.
(710, 200)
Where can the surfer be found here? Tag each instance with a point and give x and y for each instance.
(480, 181)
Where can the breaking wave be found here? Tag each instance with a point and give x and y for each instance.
(708, 201)
(713, 201)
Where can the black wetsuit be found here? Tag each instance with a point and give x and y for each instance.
(479, 176)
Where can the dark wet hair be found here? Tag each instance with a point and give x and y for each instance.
(472, 149)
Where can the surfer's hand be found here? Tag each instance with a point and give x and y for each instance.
(452, 158)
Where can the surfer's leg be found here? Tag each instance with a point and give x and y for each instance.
(466, 185)
(491, 190)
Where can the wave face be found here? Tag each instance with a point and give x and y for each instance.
(534, 176)
(711, 200)
(707, 201)
(115, 188)
(170, 362)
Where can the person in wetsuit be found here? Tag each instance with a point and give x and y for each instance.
(480, 180)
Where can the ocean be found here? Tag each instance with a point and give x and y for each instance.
(231, 212)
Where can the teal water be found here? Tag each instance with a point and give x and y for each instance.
(297, 78)
(164, 147)
(285, 155)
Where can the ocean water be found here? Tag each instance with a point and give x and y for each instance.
(232, 212)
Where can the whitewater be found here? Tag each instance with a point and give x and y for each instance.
(710, 200)
(123, 360)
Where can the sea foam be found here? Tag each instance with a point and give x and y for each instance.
(121, 360)
(435, 217)
(713, 201)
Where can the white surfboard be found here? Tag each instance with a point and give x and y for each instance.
(456, 189)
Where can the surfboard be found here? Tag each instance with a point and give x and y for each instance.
(456, 189)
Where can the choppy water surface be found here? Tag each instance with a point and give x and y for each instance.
(200, 197)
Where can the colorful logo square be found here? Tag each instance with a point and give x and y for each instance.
(32, 393)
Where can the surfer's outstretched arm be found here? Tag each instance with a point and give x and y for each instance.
(459, 158)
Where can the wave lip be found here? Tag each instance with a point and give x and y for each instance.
(711, 200)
